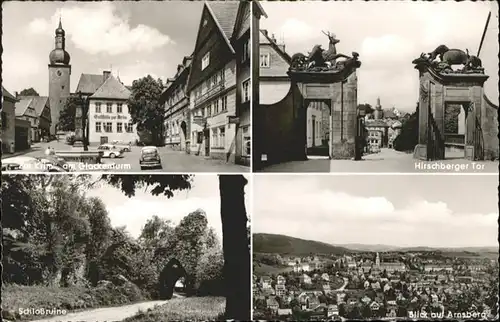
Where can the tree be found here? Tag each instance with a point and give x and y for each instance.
(355, 313)
(29, 92)
(235, 246)
(189, 236)
(234, 229)
(46, 237)
(99, 237)
(209, 273)
(157, 233)
(367, 312)
(342, 310)
(68, 112)
(382, 312)
(145, 108)
(408, 138)
(366, 107)
(118, 259)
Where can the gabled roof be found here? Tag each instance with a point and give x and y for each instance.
(265, 40)
(258, 9)
(7, 95)
(22, 105)
(241, 26)
(89, 83)
(37, 102)
(113, 89)
(224, 14)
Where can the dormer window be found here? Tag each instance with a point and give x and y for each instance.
(205, 61)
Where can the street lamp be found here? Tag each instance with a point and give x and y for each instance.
(80, 113)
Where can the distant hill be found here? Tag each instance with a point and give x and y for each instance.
(370, 248)
(486, 249)
(389, 248)
(281, 244)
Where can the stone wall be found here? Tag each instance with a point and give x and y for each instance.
(489, 126)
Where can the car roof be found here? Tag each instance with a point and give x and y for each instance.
(149, 147)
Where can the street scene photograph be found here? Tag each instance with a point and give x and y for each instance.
(371, 87)
(126, 86)
(132, 248)
(361, 248)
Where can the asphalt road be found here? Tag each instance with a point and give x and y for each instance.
(172, 161)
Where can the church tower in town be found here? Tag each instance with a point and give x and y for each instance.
(59, 77)
(378, 112)
(377, 261)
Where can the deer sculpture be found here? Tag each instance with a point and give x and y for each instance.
(331, 54)
(319, 57)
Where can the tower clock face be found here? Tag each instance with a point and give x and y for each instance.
(59, 73)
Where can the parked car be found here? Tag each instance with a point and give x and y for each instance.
(109, 151)
(150, 157)
(70, 139)
(32, 164)
(122, 146)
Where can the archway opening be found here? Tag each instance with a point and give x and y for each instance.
(173, 280)
(318, 129)
(455, 130)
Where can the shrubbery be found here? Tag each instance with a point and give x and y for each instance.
(59, 242)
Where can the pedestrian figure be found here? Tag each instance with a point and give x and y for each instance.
(48, 151)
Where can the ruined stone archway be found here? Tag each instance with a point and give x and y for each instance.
(170, 274)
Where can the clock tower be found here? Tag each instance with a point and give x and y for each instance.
(59, 77)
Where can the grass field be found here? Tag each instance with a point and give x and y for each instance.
(184, 309)
(15, 297)
(264, 269)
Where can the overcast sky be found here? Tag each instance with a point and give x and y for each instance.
(135, 211)
(418, 210)
(134, 38)
(387, 35)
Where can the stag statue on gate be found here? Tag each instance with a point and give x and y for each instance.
(319, 59)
